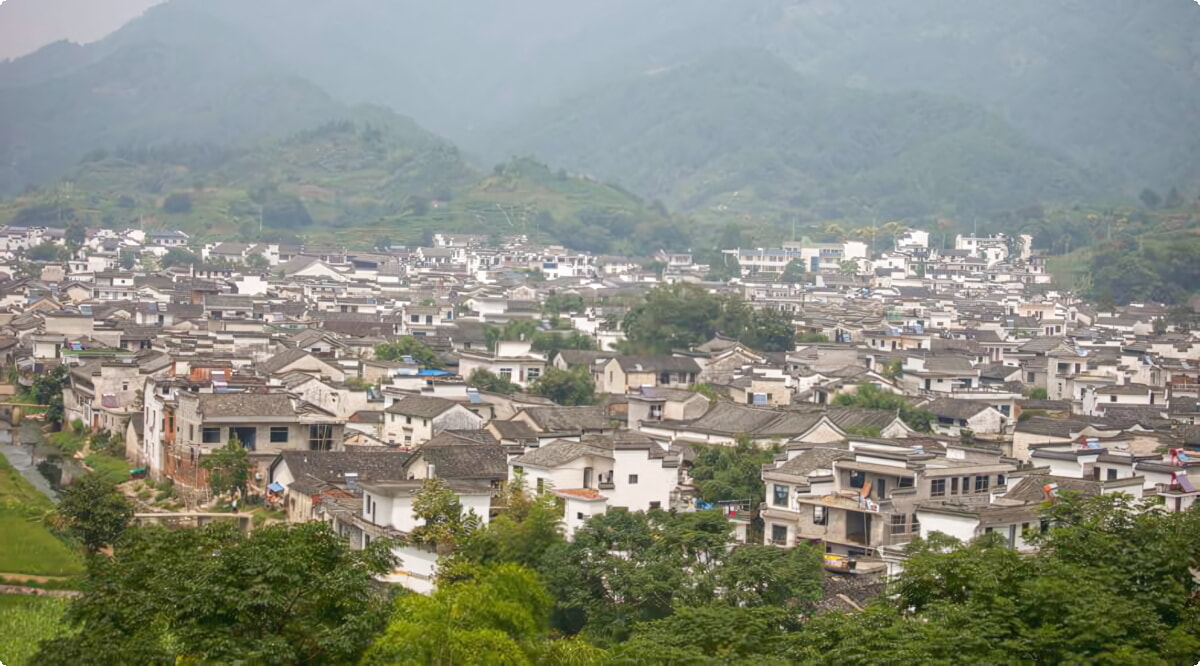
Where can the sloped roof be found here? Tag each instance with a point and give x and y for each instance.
(245, 404)
(420, 405)
(568, 419)
(658, 364)
(370, 463)
(955, 408)
(466, 461)
(561, 451)
(812, 460)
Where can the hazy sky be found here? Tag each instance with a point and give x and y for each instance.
(27, 25)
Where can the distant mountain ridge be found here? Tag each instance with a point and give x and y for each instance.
(995, 104)
(741, 128)
(28, 25)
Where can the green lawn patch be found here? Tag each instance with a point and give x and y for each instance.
(25, 622)
(27, 547)
(110, 468)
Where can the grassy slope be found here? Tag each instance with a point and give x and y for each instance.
(27, 547)
(25, 622)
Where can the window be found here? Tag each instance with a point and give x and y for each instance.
(191, 432)
(1000, 479)
(664, 378)
(981, 483)
(416, 319)
(899, 524)
(211, 435)
(408, 420)
(633, 479)
(916, 524)
(1112, 398)
(541, 485)
(937, 488)
(954, 486)
(518, 468)
(1112, 473)
(966, 485)
(279, 434)
(881, 489)
(655, 505)
(857, 478)
(579, 516)
(819, 516)
(779, 535)
(781, 495)
(533, 373)
(320, 437)
(905, 482)
(506, 374)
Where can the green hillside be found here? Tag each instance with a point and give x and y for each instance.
(358, 182)
(742, 131)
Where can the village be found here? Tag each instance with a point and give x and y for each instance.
(1021, 392)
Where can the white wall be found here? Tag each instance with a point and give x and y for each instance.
(959, 527)
(654, 483)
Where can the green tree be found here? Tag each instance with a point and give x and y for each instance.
(177, 202)
(566, 387)
(550, 343)
(754, 575)
(682, 315)
(731, 473)
(178, 256)
(1150, 198)
(444, 524)
(406, 346)
(794, 272)
(94, 511)
(46, 252)
(286, 594)
(497, 615)
(848, 267)
(486, 380)
(1039, 393)
(529, 527)
(869, 396)
(894, 370)
(709, 634)
(770, 330)
(515, 330)
(229, 468)
(47, 389)
(76, 234)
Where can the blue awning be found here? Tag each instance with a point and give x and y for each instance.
(275, 487)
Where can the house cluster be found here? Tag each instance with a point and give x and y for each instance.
(1029, 392)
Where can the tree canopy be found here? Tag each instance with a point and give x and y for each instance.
(869, 396)
(406, 346)
(286, 594)
(93, 511)
(569, 388)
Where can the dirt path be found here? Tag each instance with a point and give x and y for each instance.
(26, 578)
(38, 592)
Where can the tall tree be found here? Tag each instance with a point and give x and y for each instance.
(94, 511)
(406, 346)
(229, 468)
(569, 388)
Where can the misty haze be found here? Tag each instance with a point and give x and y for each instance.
(599, 332)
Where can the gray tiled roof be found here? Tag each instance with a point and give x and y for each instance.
(420, 405)
(568, 419)
(245, 404)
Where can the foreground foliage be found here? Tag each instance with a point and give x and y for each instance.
(283, 595)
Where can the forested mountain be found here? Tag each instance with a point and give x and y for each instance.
(916, 107)
(742, 130)
(162, 79)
